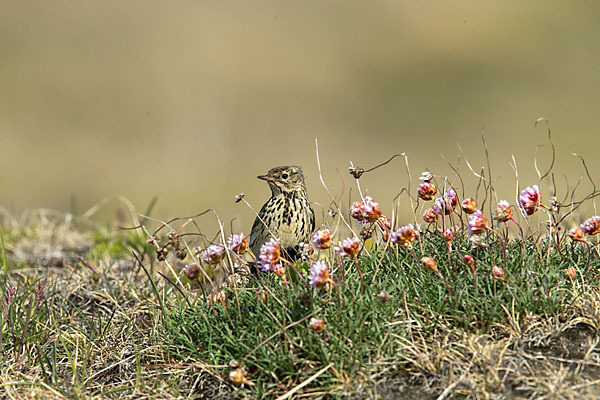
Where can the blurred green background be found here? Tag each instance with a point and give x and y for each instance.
(190, 100)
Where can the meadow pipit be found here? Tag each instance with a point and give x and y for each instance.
(287, 215)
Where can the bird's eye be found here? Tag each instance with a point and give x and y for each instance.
(284, 176)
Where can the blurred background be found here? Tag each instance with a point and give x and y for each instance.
(189, 101)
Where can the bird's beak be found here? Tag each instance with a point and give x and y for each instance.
(267, 178)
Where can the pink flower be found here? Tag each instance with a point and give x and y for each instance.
(469, 260)
(530, 199)
(498, 273)
(322, 239)
(469, 205)
(427, 190)
(448, 235)
(213, 254)
(270, 256)
(316, 325)
(477, 223)
(451, 198)
(404, 236)
(319, 275)
(430, 215)
(591, 226)
(571, 273)
(348, 247)
(576, 234)
(430, 264)
(238, 243)
(447, 204)
(371, 211)
(356, 211)
(503, 211)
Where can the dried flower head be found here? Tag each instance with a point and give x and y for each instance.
(469, 205)
(322, 239)
(191, 271)
(503, 211)
(405, 236)
(383, 297)
(498, 273)
(238, 243)
(239, 197)
(591, 226)
(213, 254)
(356, 172)
(477, 223)
(270, 256)
(576, 234)
(316, 325)
(430, 216)
(238, 377)
(530, 199)
(430, 264)
(319, 275)
(427, 190)
(477, 243)
(426, 176)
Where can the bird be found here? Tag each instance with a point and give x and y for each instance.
(287, 215)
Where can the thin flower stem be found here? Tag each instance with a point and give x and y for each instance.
(296, 271)
(359, 274)
(589, 248)
(448, 288)
(503, 244)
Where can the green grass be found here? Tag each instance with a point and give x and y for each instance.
(275, 344)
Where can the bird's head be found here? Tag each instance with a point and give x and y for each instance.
(284, 179)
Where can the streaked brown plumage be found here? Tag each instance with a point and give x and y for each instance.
(287, 215)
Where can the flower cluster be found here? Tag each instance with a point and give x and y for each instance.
(238, 243)
(322, 239)
(430, 264)
(427, 190)
(445, 205)
(270, 256)
(430, 216)
(477, 223)
(530, 199)
(503, 211)
(591, 226)
(469, 205)
(405, 236)
(319, 275)
(365, 211)
(498, 273)
(316, 325)
(348, 247)
(213, 254)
